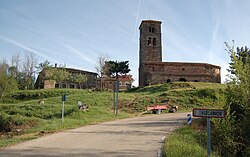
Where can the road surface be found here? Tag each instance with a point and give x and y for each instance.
(140, 136)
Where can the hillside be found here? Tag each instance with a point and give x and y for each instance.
(22, 117)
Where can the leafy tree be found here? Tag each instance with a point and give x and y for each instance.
(45, 65)
(59, 75)
(241, 54)
(234, 139)
(115, 68)
(79, 79)
(7, 82)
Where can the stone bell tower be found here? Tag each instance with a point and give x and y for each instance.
(150, 41)
(150, 46)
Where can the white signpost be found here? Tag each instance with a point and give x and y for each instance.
(208, 113)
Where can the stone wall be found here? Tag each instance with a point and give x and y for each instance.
(163, 72)
(48, 84)
(43, 83)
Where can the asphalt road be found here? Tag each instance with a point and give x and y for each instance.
(137, 137)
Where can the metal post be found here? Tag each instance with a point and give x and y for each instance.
(208, 137)
(116, 100)
(114, 97)
(62, 111)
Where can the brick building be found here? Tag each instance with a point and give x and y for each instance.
(153, 71)
(107, 83)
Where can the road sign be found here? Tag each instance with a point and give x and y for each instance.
(209, 113)
(63, 97)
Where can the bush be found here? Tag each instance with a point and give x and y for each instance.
(223, 135)
(43, 93)
(5, 122)
(205, 93)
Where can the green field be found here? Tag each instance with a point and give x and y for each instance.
(23, 118)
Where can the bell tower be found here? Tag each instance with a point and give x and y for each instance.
(150, 41)
(150, 49)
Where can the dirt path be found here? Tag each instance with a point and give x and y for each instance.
(141, 136)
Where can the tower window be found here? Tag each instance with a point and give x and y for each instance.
(149, 41)
(154, 41)
(151, 29)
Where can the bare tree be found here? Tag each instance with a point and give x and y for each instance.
(15, 61)
(100, 64)
(29, 65)
(15, 66)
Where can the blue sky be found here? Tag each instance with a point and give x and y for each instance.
(75, 32)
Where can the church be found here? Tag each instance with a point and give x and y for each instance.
(153, 71)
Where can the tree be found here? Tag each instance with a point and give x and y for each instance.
(241, 54)
(79, 79)
(115, 68)
(234, 139)
(7, 82)
(15, 66)
(44, 65)
(59, 75)
(100, 64)
(29, 65)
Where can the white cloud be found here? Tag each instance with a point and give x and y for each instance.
(79, 54)
(20, 45)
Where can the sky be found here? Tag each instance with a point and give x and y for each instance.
(76, 32)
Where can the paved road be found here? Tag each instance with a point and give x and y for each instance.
(141, 136)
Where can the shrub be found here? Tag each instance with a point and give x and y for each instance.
(5, 122)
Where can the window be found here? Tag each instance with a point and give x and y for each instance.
(149, 41)
(154, 41)
(151, 29)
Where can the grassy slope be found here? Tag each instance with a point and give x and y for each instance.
(188, 141)
(26, 119)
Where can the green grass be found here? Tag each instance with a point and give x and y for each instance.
(188, 141)
(23, 118)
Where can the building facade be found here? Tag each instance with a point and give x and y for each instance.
(43, 83)
(153, 71)
(107, 83)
